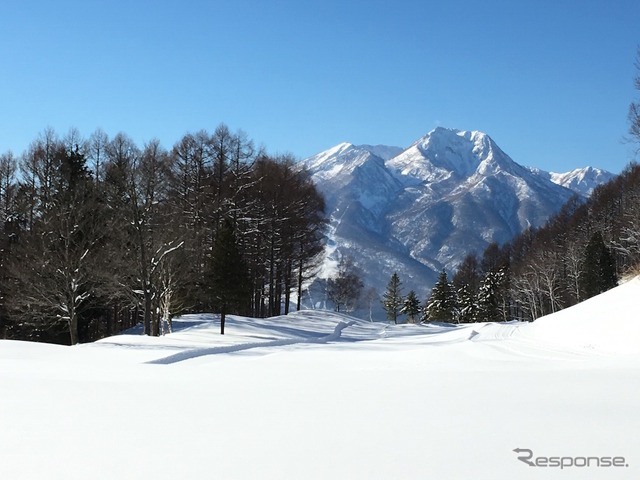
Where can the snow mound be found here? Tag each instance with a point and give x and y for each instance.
(607, 323)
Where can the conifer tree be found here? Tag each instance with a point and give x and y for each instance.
(392, 299)
(467, 304)
(599, 273)
(490, 296)
(442, 303)
(411, 307)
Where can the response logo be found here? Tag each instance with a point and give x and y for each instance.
(525, 455)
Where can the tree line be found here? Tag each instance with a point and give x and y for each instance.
(98, 234)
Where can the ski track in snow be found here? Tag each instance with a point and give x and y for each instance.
(201, 352)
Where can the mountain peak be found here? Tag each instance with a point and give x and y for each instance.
(342, 160)
(444, 152)
(450, 134)
(338, 149)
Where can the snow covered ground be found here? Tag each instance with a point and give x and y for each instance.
(321, 395)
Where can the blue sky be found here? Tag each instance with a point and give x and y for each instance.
(549, 81)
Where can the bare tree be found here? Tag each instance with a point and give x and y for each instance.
(526, 291)
(74, 141)
(548, 270)
(345, 287)
(96, 152)
(52, 267)
(8, 169)
(143, 183)
(574, 262)
(634, 108)
(192, 192)
(370, 296)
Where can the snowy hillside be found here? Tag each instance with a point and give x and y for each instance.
(426, 207)
(321, 395)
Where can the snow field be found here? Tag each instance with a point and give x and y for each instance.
(322, 395)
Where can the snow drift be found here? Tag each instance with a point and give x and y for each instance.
(609, 322)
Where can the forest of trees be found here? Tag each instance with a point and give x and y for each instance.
(98, 234)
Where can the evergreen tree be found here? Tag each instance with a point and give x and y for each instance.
(442, 303)
(599, 273)
(467, 304)
(466, 282)
(392, 299)
(229, 278)
(489, 297)
(411, 307)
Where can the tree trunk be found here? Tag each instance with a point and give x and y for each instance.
(155, 324)
(299, 302)
(222, 319)
(147, 310)
(287, 288)
(271, 278)
(73, 327)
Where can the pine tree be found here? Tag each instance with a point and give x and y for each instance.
(229, 278)
(411, 306)
(392, 299)
(467, 304)
(442, 303)
(599, 272)
(488, 298)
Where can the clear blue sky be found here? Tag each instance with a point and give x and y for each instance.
(549, 80)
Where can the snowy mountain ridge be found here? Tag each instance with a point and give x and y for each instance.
(582, 180)
(426, 207)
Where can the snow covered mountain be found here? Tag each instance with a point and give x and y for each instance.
(582, 180)
(418, 210)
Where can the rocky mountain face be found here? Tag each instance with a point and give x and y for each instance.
(418, 210)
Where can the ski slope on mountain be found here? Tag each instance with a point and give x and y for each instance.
(321, 395)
